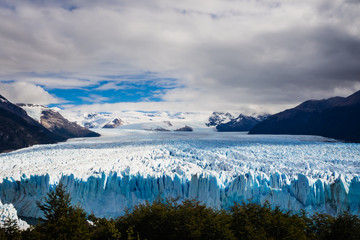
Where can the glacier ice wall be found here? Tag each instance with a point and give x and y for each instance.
(110, 194)
(120, 169)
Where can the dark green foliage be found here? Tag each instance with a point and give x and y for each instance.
(61, 220)
(103, 229)
(254, 221)
(345, 226)
(168, 219)
(10, 230)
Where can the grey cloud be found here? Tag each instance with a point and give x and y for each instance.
(251, 54)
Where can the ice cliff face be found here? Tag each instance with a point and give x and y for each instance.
(109, 174)
(109, 195)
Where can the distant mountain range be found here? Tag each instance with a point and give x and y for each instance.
(19, 130)
(226, 122)
(336, 117)
(240, 124)
(28, 124)
(143, 120)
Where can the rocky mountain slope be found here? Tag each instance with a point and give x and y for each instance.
(56, 123)
(18, 130)
(335, 117)
(116, 122)
(217, 118)
(240, 124)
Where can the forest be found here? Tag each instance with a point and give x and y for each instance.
(189, 219)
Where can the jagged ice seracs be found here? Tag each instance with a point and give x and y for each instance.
(122, 168)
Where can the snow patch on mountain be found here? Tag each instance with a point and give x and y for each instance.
(116, 122)
(35, 110)
(141, 120)
(217, 118)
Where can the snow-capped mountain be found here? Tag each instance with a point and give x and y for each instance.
(156, 120)
(116, 122)
(240, 124)
(94, 120)
(217, 118)
(142, 120)
(226, 122)
(18, 130)
(52, 120)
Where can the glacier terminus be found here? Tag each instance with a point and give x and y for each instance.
(125, 167)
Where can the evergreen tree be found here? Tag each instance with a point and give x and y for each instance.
(10, 229)
(61, 220)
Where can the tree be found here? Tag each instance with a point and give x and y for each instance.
(10, 229)
(103, 229)
(61, 220)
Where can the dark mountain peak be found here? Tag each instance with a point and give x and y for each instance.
(116, 122)
(217, 118)
(56, 123)
(184, 129)
(14, 109)
(353, 99)
(2, 99)
(335, 117)
(18, 130)
(319, 105)
(229, 115)
(308, 107)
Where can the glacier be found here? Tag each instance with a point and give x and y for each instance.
(7, 211)
(123, 168)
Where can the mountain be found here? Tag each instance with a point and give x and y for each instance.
(18, 130)
(142, 120)
(184, 129)
(239, 124)
(116, 122)
(95, 120)
(56, 123)
(336, 117)
(217, 118)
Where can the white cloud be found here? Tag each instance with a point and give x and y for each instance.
(225, 54)
(94, 98)
(23, 92)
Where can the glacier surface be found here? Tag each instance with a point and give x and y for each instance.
(122, 168)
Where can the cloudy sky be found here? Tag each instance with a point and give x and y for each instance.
(188, 55)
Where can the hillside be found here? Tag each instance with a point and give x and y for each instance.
(335, 117)
(18, 130)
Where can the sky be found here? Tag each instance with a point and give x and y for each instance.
(250, 56)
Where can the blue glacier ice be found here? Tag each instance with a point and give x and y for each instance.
(109, 195)
(114, 173)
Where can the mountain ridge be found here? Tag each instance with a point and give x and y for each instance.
(335, 117)
(18, 129)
